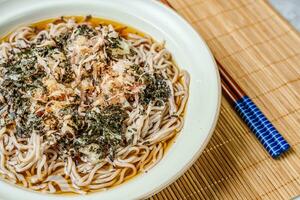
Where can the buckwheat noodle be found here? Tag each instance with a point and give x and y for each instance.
(38, 143)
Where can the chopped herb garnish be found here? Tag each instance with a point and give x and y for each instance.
(85, 30)
(105, 128)
(156, 89)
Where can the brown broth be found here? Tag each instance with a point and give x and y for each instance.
(94, 21)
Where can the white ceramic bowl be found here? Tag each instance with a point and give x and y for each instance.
(189, 51)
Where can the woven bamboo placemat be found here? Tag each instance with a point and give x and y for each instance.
(262, 52)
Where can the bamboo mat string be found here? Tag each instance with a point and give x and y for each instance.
(262, 52)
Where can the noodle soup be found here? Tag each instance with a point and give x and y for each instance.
(85, 104)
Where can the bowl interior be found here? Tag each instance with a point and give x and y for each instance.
(190, 53)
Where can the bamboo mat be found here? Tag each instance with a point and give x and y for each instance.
(262, 52)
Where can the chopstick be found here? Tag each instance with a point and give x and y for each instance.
(263, 129)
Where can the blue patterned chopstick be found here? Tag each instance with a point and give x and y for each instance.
(263, 129)
(266, 133)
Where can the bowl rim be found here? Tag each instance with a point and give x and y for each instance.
(195, 156)
(217, 111)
